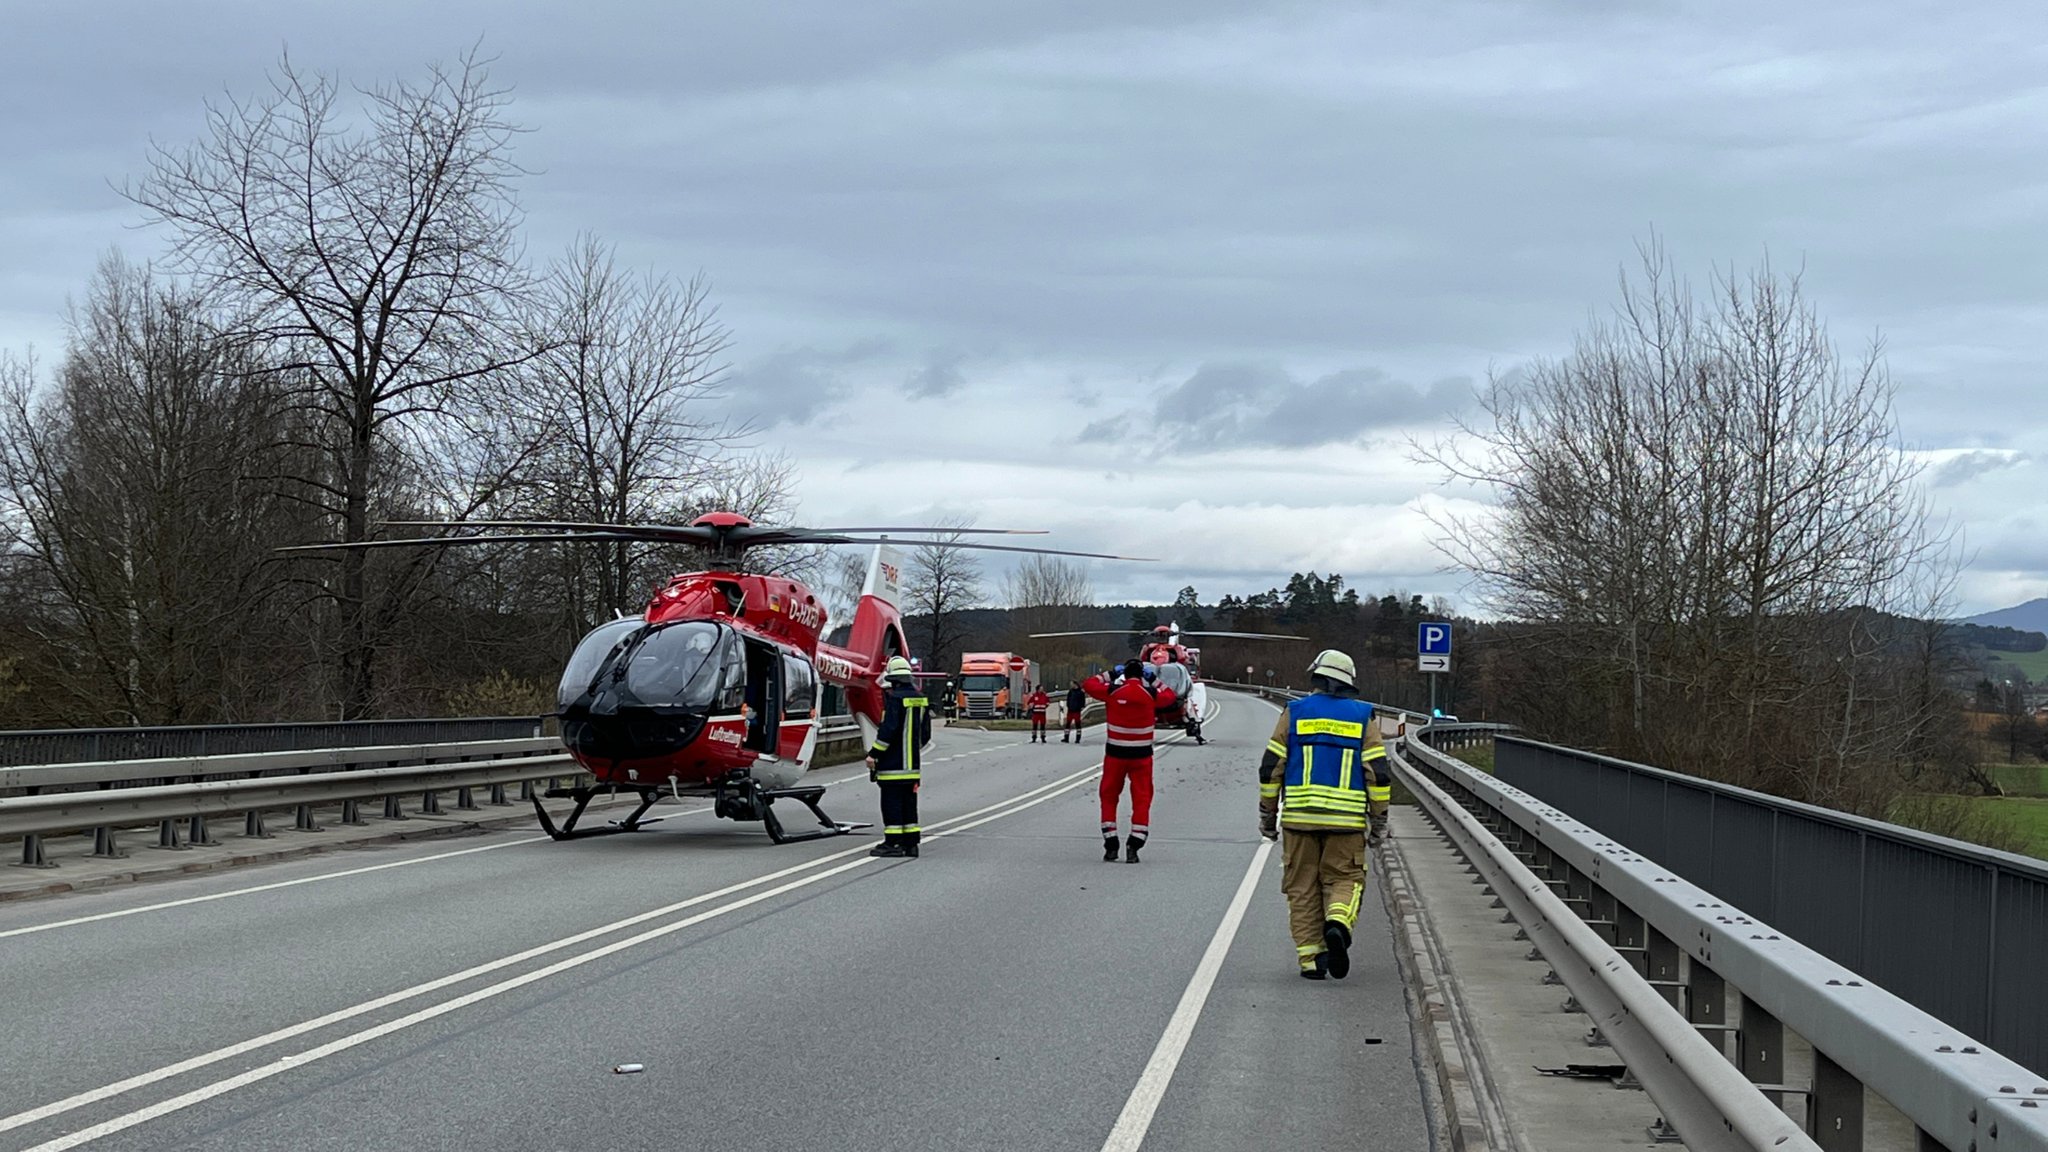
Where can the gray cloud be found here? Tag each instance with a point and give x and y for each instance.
(1241, 405)
(795, 386)
(1108, 430)
(1970, 465)
(940, 376)
(1198, 208)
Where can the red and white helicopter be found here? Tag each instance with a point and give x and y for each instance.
(1162, 649)
(714, 690)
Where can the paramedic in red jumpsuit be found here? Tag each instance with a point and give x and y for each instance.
(1131, 707)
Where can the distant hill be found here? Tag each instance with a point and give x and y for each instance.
(2029, 617)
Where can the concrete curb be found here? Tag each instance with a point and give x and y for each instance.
(1455, 1081)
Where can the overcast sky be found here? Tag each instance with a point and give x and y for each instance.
(1180, 277)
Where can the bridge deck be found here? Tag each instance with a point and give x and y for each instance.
(1008, 990)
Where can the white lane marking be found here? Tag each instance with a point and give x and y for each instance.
(1136, 1118)
(1042, 793)
(272, 887)
(432, 1011)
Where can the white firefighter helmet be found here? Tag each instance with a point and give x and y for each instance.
(897, 668)
(1336, 666)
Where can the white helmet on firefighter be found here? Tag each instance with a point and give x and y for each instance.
(1336, 666)
(898, 668)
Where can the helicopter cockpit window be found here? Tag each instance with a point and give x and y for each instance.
(590, 655)
(732, 682)
(681, 665)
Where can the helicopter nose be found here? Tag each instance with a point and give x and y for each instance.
(630, 734)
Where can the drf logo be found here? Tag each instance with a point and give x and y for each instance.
(1433, 639)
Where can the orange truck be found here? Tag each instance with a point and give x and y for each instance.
(993, 685)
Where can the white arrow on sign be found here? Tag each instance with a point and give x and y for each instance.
(1435, 661)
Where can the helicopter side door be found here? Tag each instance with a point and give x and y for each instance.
(764, 697)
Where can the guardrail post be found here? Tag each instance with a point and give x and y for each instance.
(104, 846)
(32, 853)
(430, 804)
(1706, 1003)
(352, 812)
(525, 791)
(1760, 1048)
(302, 819)
(464, 800)
(197, 835)
(167, 835)
(1662, 960)
(1834, 1109)
(393, 810)
(1628, 938)
(252, 825)
(498, 796)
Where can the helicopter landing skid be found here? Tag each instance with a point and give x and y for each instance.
(808, 797)
(583, 797)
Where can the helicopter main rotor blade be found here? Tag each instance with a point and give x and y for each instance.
(1094, 632)
(686, 533)
(925, 530)
(447, 541)
(1247, 635)
(990, 548)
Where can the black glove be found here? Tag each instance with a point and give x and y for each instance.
(1269, 825)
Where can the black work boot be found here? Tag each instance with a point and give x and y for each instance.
(1109, 847)
(910, 849)
(1316, 973)
(1131, 847)
(1337, 938)
(887, 850)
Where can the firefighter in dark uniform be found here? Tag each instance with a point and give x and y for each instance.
(896, 759)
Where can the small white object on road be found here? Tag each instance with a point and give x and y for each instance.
(625, 1068)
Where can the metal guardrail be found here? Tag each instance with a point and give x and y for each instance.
(1958, 930)
(1694, 947)
(179, 794)
(72, 745)
(1702, 1096)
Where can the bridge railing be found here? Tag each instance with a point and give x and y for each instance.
(178, 794)
(74, 745)
(1701, 949)
(1955, 929)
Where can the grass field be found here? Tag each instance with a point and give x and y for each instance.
(2020, 779)
(1479, 756)
(2028, 814)
(2034, 664)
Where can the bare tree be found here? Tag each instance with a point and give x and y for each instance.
(1708, 525)
(1044, 593)
(635, 364)
(377, 258)
(133, 485)
(942, 582)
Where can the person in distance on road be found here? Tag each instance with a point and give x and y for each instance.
(1077, 703)
(1132, 705)
(1320, 778)
(896, 759)
(1037, 704)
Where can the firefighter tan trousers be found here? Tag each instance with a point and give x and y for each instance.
(1323, 875)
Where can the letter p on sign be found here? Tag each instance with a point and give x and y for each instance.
(1433, 639)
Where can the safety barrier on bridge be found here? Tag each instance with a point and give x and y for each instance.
(73, 745)
(1613, 920)
(1958, 930)
(179, 794)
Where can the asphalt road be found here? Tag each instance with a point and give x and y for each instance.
(1007, 990)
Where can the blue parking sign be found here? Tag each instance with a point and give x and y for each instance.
(1433, 638)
